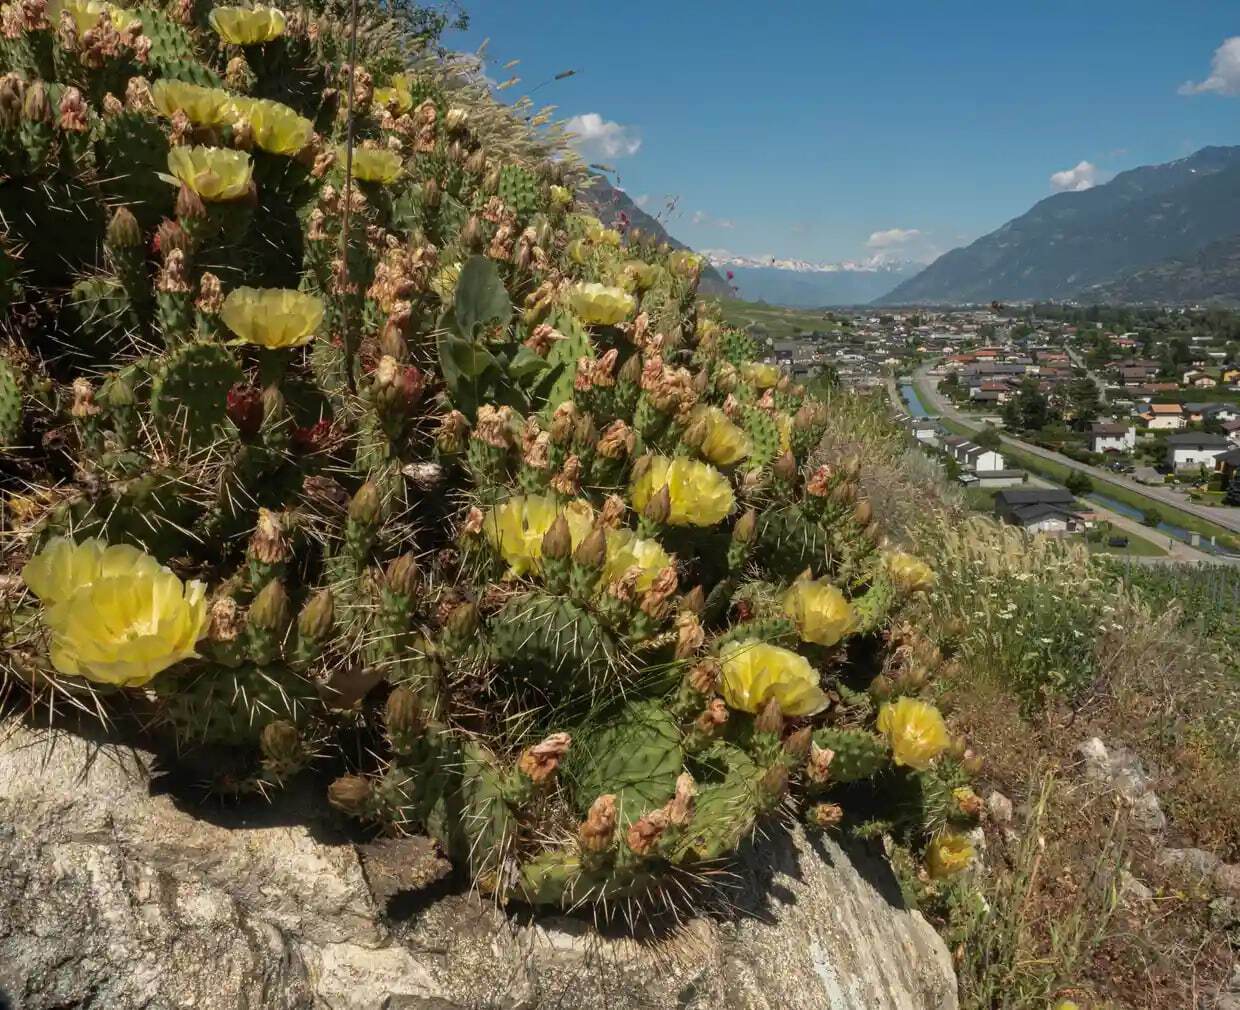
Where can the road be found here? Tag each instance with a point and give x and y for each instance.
(934, 401)
(1079, 362)
(1176, 550)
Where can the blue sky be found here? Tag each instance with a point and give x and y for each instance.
(828, 130)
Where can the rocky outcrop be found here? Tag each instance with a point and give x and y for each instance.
(118, 896)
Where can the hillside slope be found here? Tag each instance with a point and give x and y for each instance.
(1211, 274)
(816, 288)
(1073, 241)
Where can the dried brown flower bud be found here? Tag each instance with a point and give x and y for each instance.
(538, 763)
(598, 830)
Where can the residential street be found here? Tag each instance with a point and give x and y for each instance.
(934, 401)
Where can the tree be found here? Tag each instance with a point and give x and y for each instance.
(1078, 483)
(1082, 402)
(988, 437)
(1032, 408)
(1150, 516)
(1232, 495)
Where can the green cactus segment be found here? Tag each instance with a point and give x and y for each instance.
(231, 707)
(476, 823)
(519, 190)
(728, 804)
(788, 542)
(133, 149)
(874, 606)
(636, 757)
(764, 434)
(738, 348)
(10, 404)
(553, 644)
(190, 390)
(858, 754)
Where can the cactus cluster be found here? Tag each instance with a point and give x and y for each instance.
(328, 415)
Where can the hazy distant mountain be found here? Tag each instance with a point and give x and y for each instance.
(1076, 242)
(804, 285)
(608, 203)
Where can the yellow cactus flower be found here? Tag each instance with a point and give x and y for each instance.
(116, 616)
(754, 672)
(444, 282)
(277, 128)
(725, 442)
(374, 164)
(685, 263)
(820, 611)
(600, 304)
(625, 549)
(915, 730)
(214, 173)
(700, 495)
(398, 96)
(948, 854)
(247, 26)
(636, 276)
(909, 574)
(784, 423)
(272, 317)
(561, 196)
(203, 106)
(516, 528)
(86, 14)
(761, 375)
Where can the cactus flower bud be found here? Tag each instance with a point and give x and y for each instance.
(818, 767)
(863, 512)
(774, 783)
(403, 712)
(825, 815)
(785, 468)
(35, 107)
(472, 237)
(538, 763)
(971, 762)
(695, 434)
(592, 551)
(631, 370)
(402, 575)
(270, 609)
(432, 193)
(799, 743)
(557, 542)
(280, 743)
(770, 719)
(476, 163)
(123, 230)
(189, 205)
(350, 794)
(659, 507)
(315, 621)
(455, 119)
(244, 406)
(598, 830)
(462, 622)
(704, 676)
(746, 527)
(694, 601)
(365, 504)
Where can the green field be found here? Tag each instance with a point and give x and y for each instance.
(778, 322)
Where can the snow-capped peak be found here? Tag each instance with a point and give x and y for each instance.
(879, 263)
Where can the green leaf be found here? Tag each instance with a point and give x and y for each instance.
(526, 364)
(481, 297)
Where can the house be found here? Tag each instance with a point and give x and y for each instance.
(1112, 438)
(1164, 417)
(926, 431)
(1231, 375)
(1227, 463)
(1040, 510)
(1231, 429)
(1194, 449)
(1220, 412)
(977, 459)
(1199, 380)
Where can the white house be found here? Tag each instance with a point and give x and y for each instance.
(1164, 417)
(1112, 438)
(1231, 429)
(1040, 510)
(1195, 449)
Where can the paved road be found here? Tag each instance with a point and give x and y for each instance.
(1176, 550)
(934, 401)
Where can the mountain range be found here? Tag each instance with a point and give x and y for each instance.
(1160, 233)
(804, 285)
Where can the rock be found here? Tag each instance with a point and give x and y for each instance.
(1196, 864)
(117, 896)
(1093, 753)
(1131, 891)
(1147, 814)
(1226, 879)
(999, 807)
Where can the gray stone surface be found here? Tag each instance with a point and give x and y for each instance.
(115, 896)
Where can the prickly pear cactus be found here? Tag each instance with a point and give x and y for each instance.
(393, 451)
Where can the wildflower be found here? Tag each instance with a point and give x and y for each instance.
(374, 165)
(626, 550)
(699, 495)
(762, 376)
(272, 317)
(214, 173)
(245, 26)
(724, 443)
(203, 106)
(276, 128)
(600, 304)
(821, 613)
(636, 276)
(915, 730)
(755, 672)
(516, 528)
(116, 615)
(948, 854)
(909, 573)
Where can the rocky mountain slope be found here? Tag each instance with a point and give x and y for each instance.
(1160, 216)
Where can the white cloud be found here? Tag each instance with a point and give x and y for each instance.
(702, 218)
(1224, 76)
(599, 138)
(1075, 180)
(892, 237)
